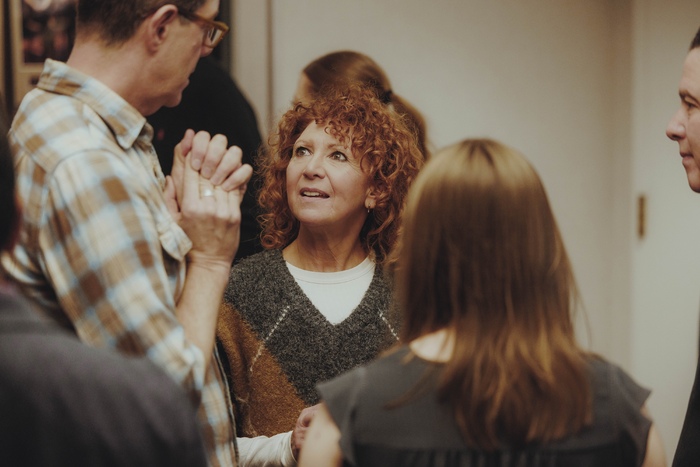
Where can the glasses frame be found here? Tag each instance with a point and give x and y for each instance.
(211, 24)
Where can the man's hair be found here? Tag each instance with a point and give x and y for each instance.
(696, 41)
(8, 205)
(116, 21)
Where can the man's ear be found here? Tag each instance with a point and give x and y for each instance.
(158, 26)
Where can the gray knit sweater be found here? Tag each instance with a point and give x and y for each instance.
(278, 346)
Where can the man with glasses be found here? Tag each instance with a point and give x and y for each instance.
(214, 31)
(114, 252)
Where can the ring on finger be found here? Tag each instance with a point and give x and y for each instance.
(207, 192)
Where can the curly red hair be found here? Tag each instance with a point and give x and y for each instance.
(380, 138)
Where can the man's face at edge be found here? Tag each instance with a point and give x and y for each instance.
(684, 127)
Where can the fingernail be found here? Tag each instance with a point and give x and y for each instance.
(196, 163)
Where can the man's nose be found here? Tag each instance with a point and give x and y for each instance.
(675, 129)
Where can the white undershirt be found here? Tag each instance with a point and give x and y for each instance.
(335, 294)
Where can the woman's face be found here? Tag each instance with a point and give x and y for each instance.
(326, 187)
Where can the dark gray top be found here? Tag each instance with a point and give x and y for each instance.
(64, 403)
(423, 432)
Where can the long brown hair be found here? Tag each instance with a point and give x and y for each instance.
(379, 138)
(347, 66)
(480, 254)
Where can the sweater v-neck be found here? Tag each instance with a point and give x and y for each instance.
(308, 347)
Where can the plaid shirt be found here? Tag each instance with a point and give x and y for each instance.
(99, 250)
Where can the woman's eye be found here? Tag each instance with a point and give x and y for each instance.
(339, 156)
(301, 151)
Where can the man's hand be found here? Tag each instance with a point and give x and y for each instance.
(220, 167)
(301, 427)
(211, 157)
(209, 215)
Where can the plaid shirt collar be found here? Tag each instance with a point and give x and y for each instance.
(127, 123)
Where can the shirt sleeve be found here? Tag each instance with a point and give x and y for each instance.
(104, 244)
(340, 396)
(263, 451)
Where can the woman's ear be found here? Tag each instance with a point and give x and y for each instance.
(371, 199)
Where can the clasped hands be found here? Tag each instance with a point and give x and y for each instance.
(204, 194)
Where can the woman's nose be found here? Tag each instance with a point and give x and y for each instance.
(314, 167)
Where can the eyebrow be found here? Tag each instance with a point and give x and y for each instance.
(301, 142)
(337, 146)
(685, 94)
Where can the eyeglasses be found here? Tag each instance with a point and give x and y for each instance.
(214, 30)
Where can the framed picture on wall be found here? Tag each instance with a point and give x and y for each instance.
(39, 29)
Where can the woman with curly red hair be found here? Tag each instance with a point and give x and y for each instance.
(315, 303)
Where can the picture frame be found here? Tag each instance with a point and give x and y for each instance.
(39, 29)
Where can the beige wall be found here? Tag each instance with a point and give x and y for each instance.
(584, 89)
(665, 274)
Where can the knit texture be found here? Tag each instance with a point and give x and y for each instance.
(278, 346)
